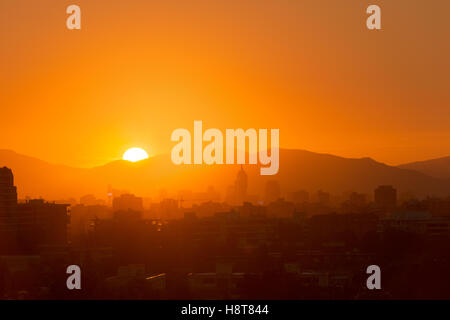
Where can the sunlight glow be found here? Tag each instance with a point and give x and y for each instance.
(135, 154)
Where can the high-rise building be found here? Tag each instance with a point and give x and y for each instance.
(240, 186)
(26, 227)
(8, 207)
(8, 193)
(385, 196)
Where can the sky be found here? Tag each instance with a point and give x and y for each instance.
(139, 69)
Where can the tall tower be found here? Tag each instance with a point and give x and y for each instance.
(8, 193)
(240, 186)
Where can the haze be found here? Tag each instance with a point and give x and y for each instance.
(137, 70)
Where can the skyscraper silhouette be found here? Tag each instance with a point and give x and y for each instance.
(8, 193)
(8, 207)
(240, 186)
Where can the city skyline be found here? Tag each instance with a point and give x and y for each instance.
(315, 247)
(299, 169)
(218, 153)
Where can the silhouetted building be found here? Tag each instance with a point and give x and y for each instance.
(169, 209)
(8, 207)
(385, 197)
(357, 202)
(82, 218)
(26, 227)
(221, 284)
(240, 186)
(249, 210)
(208, 209)
(8, 193)
(280, 209)
(91, 200)
(188, 198)
(41, 223)
(127, 202)
(437, 206)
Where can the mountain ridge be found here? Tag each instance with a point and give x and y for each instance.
(299, 170)
(438, 167)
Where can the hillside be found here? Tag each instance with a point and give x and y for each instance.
(299, 169)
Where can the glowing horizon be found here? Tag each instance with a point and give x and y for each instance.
(135, 155)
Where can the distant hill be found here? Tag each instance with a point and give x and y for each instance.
(299, 169)
(36, 178)
(438, 168)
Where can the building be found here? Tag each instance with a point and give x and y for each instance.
(240, 186)
(91, 200)
(8, 207)
(237, 193)
(127, 202)
(26, 228)
(131, 282)
(280, 209)
(356, 203)
(40, 223)
(418, 222)
(385, 197)
(221, 284)
(169, 209)
(82, 218)
(8, 193)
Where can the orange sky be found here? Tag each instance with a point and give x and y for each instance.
(139, 69)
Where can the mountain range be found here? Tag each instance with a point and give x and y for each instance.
(299, 170)
(438, 168)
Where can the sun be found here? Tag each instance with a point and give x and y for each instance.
(135, 154)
